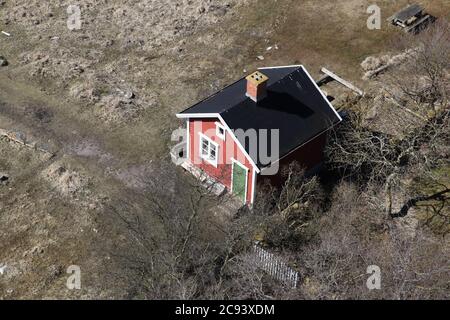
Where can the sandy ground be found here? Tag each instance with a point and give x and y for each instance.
(103, 99)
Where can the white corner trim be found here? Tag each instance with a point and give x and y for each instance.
(214, 163)
(253, 187)
(188, 139)
(233, 162)
(321, 92)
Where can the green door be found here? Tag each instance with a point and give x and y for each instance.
(239, 181)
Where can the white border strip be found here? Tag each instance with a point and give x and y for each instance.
(280, 67)
(188, 139)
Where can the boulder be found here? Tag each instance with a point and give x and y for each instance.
(3, 61)
(4, 178)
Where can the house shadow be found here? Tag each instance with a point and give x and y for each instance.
(284, 102)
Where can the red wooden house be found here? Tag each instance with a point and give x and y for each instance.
(247, 131)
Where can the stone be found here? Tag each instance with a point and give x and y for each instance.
(129, 94)
(3, 61)
(4, 178)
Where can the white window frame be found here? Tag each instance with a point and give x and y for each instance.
(207, 157)
(219, 127)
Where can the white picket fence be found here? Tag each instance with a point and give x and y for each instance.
(275, 267)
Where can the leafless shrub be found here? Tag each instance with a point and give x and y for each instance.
(353, 236)
(290, 208)
(368, 156)
(423, 80)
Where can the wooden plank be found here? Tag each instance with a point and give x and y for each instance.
(342, 81)
(421, 21)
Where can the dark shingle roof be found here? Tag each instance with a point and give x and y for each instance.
(294, 105)
(408, 12)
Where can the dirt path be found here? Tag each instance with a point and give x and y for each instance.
(53, 124)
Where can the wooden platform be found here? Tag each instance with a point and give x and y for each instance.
(411, 18)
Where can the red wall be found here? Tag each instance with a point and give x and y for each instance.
(223, 171)
(308, 156)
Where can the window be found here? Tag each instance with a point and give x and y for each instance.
(208, 150)
(220, 131)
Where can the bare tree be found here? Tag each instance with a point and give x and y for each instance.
(352, 236)
(289, 208)
(422, 81)
(373, 157)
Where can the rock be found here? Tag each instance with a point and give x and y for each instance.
(260, 58)
(128, 94)
(4, 178)
(2, 269)
(3, 61)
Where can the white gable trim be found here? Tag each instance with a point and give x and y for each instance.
(321, 92)
(294, 65)
(196, 115)
(217, 115)
(238, 143)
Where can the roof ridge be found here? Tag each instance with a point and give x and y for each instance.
(298, 67)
